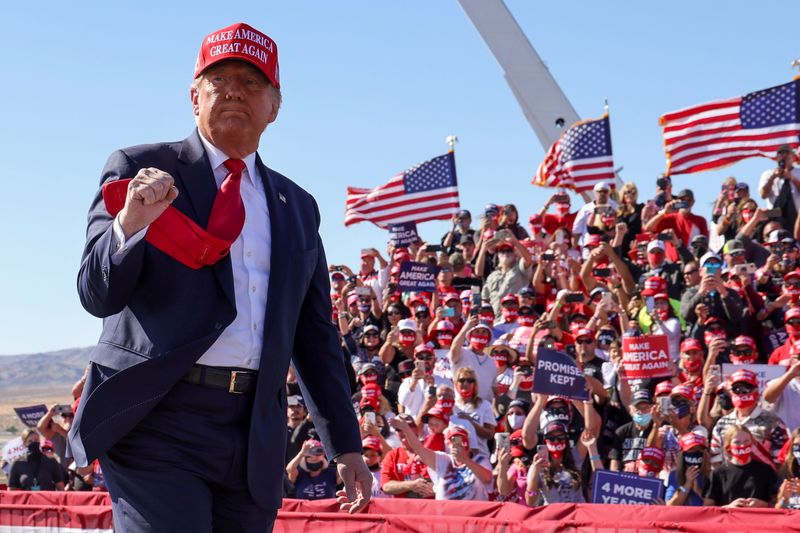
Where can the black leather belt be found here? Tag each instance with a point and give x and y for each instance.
(235, 381)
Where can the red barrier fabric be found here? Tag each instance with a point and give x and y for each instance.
(67, 512)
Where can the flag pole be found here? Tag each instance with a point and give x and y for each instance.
(796, 64)
(451, 141)
(605, 106)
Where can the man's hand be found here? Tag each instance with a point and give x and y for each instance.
(422, 487)
(150, 192)
(357, 482)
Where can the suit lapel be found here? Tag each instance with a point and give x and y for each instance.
(277, 262)
(196, 181)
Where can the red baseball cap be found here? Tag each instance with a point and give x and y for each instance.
(372, 443)
(445, 325)
(744, 376)
(439, 412)
(685, 390)
(366, 401)
(240, 41)
(583, 332)
(651, 452)
(371, 390)
(665, 387)
(423, 348)
(654, 285)
(452, 431)
(692, 439)
(509, 298)
(691, 344)
(744, 340)
(793, 312)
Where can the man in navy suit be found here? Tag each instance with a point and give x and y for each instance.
(185, 400)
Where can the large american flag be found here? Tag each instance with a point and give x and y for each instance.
(580, 158)
(717, 134)
(428, 191)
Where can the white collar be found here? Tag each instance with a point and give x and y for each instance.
(217, 157)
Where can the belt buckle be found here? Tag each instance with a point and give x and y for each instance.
(232, 384)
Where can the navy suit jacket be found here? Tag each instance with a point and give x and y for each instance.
(160, 316)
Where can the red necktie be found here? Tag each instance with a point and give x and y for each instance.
(227, 214)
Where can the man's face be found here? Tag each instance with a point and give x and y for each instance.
(735, 257)
(655, 257)
(372, 457)
(584, 347)
(601, 197)
(233, 103)
(296, 413)
(691, 273)
(688, 202)
(787, 157)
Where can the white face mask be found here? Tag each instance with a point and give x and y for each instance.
(516, 421)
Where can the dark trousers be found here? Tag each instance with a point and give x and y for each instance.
(183, 468)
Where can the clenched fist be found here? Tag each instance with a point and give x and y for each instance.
(150, 192)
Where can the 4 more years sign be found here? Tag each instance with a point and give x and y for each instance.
(646, 356)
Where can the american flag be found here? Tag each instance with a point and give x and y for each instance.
(580, 158)
(428, 191)
(717, 134)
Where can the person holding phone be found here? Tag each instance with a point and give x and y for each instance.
(718, 299)
(462, 474)
(512, 470)
(555, 475)
(562, 218)
(514, 271)
(472, 409)
(677, 215)
(313, 475)
(461, 228)
(478, 335)
(629, 212)
(602, 197)
(779, 186)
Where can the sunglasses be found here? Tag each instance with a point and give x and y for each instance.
(742, 351)
(584, 341)
(500, 353)
(741, 388)
(556, 438)
(393, 313)
(424, 358)
(793, 284)
(515, 442)
(371, 334)
(466, 380)
(422, 315)
(793, 322)
(690, 272)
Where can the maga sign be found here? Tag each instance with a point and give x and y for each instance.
(646, 356)
(557, 373)
(403, 234)
(417, 277)
(619, 487)
(31, 415)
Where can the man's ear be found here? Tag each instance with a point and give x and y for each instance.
(274, 113)
(193, 96)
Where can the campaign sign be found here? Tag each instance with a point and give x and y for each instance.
(646, 356)
(31, 415)
(557, 373)
(620, 487)
(403, 234)
(765, 373)
(12, 450)
(417, 277)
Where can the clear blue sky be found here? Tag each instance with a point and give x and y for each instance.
(370, 88)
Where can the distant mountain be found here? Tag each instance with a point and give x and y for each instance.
(49, 369)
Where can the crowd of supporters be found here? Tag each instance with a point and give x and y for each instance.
(443, 380)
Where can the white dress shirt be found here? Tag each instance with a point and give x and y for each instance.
(240, 343)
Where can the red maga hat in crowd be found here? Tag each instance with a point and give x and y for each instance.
(243, 42)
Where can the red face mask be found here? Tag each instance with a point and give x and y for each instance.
(747, 214)
(743, 401)
(478, 342)
(486, 317)
(407, 339)
(510, 315)
(661, 314)
(711, 335)
(500, 360)
(793, 292)
(692, 365)
(525, 320)
(446, 405)
(526, 383)
(556, 448)
(444, 339)
(368, 378)
(741, 454)
(536, 230)
(792, 331)
(609, 222)
(466, 390)
(562, 209)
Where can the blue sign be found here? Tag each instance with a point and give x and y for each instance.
(31, 415)
(417, 277)
(403, 234)
(557, 373)
(620, 487)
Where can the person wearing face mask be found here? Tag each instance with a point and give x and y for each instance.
(514, 271)
(742, 481)
(685, 484)
(35, 471)
(515, 415)
(677, 215)
(555, 475)
(413, 389)
(505, 357)
(472, 409)
(784, 393)
(718, 299)
(512, 470)
(397, 476)
(789, 491)
(443, 333)
(364, 350)
(372, 451)
(508, 320)
(768, 431)
(783, 353)
(562, 218)
(313, 476)
(400, 342)
(691, 360)
(478, 336)
(779, 186)
(666, 323)
(680, 419)
(631, 438)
